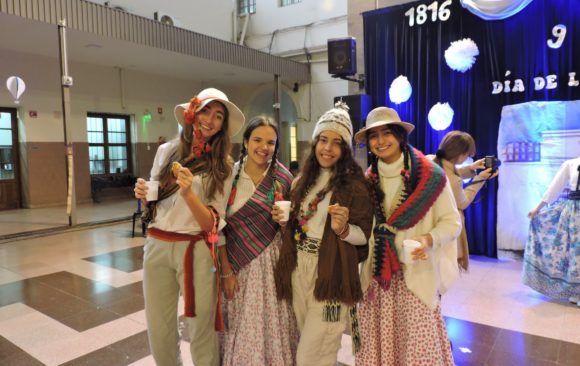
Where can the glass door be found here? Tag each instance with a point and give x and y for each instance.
(9, 162)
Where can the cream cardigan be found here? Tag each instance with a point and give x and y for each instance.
(429, 278)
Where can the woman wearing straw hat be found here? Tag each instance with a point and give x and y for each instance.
(324, 240)
(194, 173)
(400, 316)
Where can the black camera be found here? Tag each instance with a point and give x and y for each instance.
(492, 162)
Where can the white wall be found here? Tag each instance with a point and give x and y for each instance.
(307, 24)
(286, 31)
(95, 89)
(210, 17)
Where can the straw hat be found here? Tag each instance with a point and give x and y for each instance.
(378, 117)
(236, 118)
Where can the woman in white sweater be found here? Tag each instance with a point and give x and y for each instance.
(400, 316)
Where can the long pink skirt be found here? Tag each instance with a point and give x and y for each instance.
(260, 329)
(398, 329)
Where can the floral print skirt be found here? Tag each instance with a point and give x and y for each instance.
(260, 330)
(552, 254)
(398, 329)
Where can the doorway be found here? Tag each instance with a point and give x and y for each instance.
(9, 161)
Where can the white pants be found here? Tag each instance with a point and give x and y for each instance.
(319, 340)
(162, 284)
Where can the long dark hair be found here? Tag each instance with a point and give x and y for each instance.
(401, 135)
(344, 170)
(217, 164)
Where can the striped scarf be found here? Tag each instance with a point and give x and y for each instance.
(250, 230)
(423, 184)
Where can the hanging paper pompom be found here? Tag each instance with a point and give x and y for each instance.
(400, 90)
(460, 56)
(440, 116)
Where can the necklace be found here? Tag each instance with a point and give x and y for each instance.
(274, 193)
(301, 229)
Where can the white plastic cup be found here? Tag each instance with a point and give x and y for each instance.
(152, 190)
(408, 247)
(285, 207)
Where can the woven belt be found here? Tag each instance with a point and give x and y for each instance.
(309, 245)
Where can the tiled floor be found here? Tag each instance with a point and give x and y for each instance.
(26, 222)
(75, 298)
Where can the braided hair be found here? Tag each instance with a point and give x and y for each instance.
(379, 196)
(260, 121)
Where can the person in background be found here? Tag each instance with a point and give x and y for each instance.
(294, 168)
(161, 140)
(400, 315)
(324, 240)
(454, 150)
(194, 174)
(261, 329)
(552, 253)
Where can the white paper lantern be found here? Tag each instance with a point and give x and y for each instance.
(400, 90)
(16, 87)
(440, 116)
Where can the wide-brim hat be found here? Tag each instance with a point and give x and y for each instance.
(236, 118)
(378, 117)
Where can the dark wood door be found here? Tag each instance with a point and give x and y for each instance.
(9, 161)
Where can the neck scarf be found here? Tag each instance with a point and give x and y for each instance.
(250, 230)
(197, 165)
(423, 183)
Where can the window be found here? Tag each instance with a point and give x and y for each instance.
(6, 146)
(108, 137)
(246, 7)
(289, 2)
(293, 142)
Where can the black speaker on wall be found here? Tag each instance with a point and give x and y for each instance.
(359, 106)
(342, 56)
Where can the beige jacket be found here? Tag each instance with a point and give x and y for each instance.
(463, 198)
(427, 279)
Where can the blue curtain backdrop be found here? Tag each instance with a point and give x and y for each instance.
(517, 44)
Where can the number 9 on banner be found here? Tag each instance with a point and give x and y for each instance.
(559, 31)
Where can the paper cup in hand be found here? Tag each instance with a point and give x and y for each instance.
(408, 247)
(152, 190)
(285, 207)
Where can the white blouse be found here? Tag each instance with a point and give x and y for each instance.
(566, 178)
(173, 213)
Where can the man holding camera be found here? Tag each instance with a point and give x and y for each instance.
(454, 149)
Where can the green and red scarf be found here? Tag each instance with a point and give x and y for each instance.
(424, 181)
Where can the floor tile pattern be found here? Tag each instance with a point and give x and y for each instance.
(76, 299)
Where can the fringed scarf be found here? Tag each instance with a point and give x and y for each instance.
(197, 166)
(250, 230)
(422, 185)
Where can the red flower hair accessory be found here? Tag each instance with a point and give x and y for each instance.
(189, 113)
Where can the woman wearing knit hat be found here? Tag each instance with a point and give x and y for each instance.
(400, 316)
(324, 239)
(194, 173)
